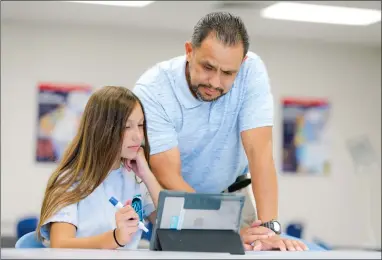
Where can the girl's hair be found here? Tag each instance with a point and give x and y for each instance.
(93, 151)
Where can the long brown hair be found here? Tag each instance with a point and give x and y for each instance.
(93, 151)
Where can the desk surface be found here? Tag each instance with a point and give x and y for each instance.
(45, 253)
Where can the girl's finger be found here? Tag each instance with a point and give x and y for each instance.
(132, 223)
(127, 164)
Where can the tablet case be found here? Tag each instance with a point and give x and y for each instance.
(198, 222)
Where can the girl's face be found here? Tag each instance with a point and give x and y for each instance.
(134, 134)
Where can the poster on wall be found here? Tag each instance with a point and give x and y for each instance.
(60, 107)
(305, 136)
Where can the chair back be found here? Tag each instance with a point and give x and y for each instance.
(25, 226)
(29, 240)
(295, 230)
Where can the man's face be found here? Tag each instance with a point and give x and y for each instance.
(212, 68)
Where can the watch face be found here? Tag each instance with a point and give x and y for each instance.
(276, 226)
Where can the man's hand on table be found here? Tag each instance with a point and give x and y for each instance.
(258, 238)
(254, 233)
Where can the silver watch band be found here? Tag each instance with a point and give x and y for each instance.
(268, 225)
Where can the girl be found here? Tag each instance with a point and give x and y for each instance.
(103, 161)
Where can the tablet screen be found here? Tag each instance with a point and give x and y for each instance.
(176, 216)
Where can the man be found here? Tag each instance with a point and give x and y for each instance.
(210, 117)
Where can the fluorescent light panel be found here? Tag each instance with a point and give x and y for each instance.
(321, 14)
(117, 3)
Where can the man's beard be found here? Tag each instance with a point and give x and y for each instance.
(195, 88)
(196, 91)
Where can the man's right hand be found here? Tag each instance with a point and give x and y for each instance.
(255, 232)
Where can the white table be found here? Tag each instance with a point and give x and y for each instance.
(45, 253)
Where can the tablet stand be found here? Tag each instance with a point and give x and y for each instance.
(191, 240)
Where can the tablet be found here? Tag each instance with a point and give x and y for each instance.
(197, 211)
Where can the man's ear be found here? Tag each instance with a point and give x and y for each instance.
(245, 57)
(188, 49)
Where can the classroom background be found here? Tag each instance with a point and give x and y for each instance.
(325, 78)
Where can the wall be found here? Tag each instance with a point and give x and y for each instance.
(335, 208)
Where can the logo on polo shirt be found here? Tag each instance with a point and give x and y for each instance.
(137, 206)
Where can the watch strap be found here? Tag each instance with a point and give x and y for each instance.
(270, 225)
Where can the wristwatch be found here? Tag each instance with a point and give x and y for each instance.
(273, 225)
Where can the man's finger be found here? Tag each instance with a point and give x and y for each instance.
(302, 245)
(260, 231)
(128, 203)
(289, 245)
(247, 247)
(296, 245)
(256, 223)
(250, 238)
(281, 245)
(257, 245)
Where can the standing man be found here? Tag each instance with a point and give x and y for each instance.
(210, 116)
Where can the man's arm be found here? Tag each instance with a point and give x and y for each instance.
(255, 124)
(166, 167)
(257, 144)
(165, 160)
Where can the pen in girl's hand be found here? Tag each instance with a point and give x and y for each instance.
(119, 205)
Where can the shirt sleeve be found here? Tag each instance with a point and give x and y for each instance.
(67, 214)
(147, 202)
(257, 107)
(160, 129)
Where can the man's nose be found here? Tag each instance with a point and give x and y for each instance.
(215, 80)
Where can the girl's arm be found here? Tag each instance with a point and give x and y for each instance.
(63, 235)
(152, 185)
(154, 189)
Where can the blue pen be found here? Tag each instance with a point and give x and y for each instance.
(119, 205)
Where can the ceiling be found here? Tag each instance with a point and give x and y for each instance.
(182, 16)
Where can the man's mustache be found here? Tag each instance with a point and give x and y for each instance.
(210, 87)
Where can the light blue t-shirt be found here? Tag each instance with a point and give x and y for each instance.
(206, 133)
(95, 215)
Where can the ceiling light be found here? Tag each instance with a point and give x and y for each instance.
(321, 14)
(117, 3)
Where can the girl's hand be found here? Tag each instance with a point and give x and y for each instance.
(139, 164)
(127, 224)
